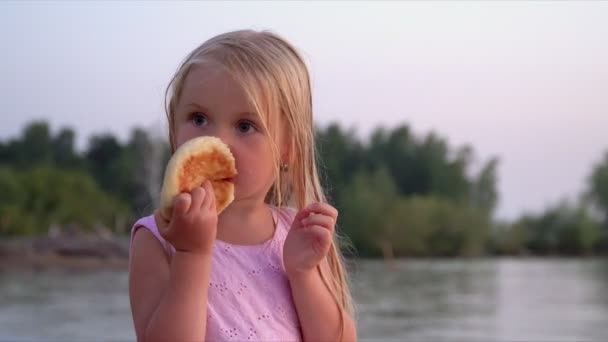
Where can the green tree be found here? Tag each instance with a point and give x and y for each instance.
(43, 196)
(564, 228)
(381, 222)
(484, 194)
(63, 152)
(33, 147)
(341, 155)
(442, 227)
(598, 187)
(364, 207)
(12, 214)
(508, 238)
(446, 175)
(103, 158)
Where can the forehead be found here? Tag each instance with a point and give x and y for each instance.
(211, 86)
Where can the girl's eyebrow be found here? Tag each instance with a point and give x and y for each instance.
(248, 114)
(197, 106)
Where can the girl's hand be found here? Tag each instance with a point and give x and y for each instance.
(192, 226)
(309, 238)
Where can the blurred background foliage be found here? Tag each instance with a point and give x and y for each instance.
(398, 193)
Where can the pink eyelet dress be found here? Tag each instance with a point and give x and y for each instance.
(249, 294)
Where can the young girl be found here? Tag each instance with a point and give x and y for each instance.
(268, 267)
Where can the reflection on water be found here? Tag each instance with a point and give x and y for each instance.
(417, 300)
(426, 300)
(61, 306)
(481, 300)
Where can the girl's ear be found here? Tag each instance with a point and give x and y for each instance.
(286, 146)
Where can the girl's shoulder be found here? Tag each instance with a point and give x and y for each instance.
(285, 215)
(149, 223)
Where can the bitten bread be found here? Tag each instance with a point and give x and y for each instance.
(197, 160)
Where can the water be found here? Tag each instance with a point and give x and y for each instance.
(497, 300)
(417, 300)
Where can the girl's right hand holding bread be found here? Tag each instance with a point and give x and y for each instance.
(192, 226)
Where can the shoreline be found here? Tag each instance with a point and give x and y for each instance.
(78, 252)
(41, 263)
(98, 252)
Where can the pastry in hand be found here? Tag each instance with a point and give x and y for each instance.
(194, 162)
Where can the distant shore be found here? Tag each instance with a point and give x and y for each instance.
(104, 250)
(79, 252)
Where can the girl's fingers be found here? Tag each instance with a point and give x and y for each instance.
(160, 221)
(198, 196)
(213, 206)
(315, 208)
(297, 220)
(321, 238)
(324, 221)
(181, 204)
(209, 203)
(321, 208)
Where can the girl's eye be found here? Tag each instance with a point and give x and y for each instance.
(198, 119)
(245, 127)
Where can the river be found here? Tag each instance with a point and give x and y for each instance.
(544, 299)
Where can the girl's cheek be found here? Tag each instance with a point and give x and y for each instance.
(185, 132)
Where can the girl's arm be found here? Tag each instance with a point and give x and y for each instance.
(317, 310)
(305, 250)
(168, 301)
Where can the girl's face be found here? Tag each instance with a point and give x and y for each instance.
(212, 103)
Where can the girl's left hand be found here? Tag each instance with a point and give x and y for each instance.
(309, 238)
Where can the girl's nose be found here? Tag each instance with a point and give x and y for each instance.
(224, 135)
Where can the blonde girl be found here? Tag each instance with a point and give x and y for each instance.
(267, 268)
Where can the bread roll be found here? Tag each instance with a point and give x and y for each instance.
(194, 162)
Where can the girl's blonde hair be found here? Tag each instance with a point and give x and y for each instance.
(277, 82)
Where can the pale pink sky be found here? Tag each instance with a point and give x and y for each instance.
(526, 81)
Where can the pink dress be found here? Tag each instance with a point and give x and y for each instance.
(249, 294)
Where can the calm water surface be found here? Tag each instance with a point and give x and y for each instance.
(415, 300)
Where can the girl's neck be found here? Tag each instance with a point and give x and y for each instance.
(246, 223)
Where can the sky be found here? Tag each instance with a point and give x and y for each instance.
(526, 82)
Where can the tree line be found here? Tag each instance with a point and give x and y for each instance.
(399, 193)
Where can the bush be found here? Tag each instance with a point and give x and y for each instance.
(35, 199)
